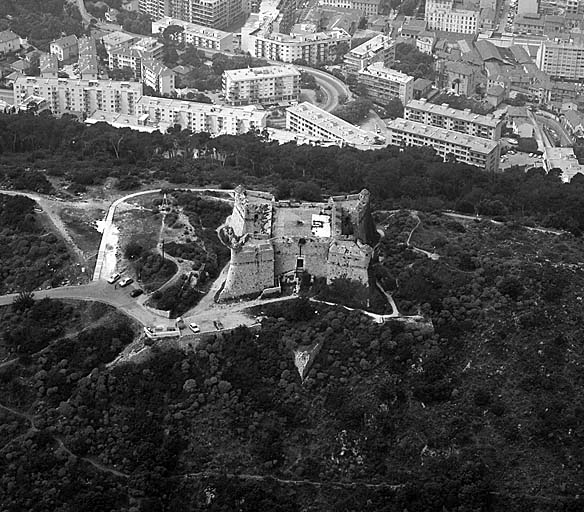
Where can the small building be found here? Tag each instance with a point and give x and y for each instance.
(422, 87)
(563, 159)
(573, 121)
(66, 48)
(49, 66)
(495, 95)
(9, 42)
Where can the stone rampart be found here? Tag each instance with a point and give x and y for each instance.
(250, 271)
(313, 251)
(349, 260)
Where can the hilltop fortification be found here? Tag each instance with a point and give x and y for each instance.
(273, 240)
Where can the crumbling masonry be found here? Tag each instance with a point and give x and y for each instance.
(274, 240)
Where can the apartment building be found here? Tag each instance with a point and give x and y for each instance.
(49, 66)
(448, 144)
(307, 119)
(218, 14)
(378, 49)
(9, 42)
(156, 75)
(69, 95)
(561, 60)
(131, 56)
(367, 7)
(197, 35)
(444, 15)
(88, 67)
(267, 84)
(384, 84)
(312, 48)
(118, 39)
(463, 121)
(201, 117)
(65, 48)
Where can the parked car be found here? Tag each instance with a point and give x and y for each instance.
(136, 292)
(194, 327)
(126, 281)
(113, 278)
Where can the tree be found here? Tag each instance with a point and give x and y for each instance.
(24, 300)
(394, 107)
(171, 32)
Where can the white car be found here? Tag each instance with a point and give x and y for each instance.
(113, 278)
(194, 327)
(126, 281)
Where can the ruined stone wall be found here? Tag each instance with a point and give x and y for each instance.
(314, 251)
(250, 271)
(354, 209)
(348, 259)
(237, 218)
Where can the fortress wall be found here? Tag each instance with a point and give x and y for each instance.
(250, 271)
(237, 218)
(258, 219)
(349, 260)
(314, 252)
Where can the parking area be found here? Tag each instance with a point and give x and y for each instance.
(528, 160)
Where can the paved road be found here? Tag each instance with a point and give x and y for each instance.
(332, 86)
(7, 96)
(541, 138)
(565, 139)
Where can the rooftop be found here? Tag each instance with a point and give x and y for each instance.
(378, 69)
(191, 28)
(564, 159)
(66, 42)
(477, 144)
(117, 38)
(339, 128)
(8, 35)
(445, 110)
(204, 108)
(264, 71)
(373, 45)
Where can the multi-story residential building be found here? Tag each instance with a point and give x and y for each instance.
(463, 121)
(65, 48)
(218, 14)
(117, 39)
(68, 95)
(312, 48)
(197, 35)
(447, 16)
(448, 144)
(367, 7)
(201, 117)
(49, 66)
(154, 8)
(378, 49)
(148, 48)
(88, 68)
(574, 7)
(308, 119)
(9, 42)
(561, 60)
(384, 84)
(156, 75)
(267, 84)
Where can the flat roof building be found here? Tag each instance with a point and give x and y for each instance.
(266, 84)
(197, 35)
(561, 60)
(310, 120)
(376, 49)
(383, 83)
(563, 159)
(463, 121)
(447, 143)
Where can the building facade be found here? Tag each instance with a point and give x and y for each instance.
(463, 121)
(68, 95)
(561, 60)
(378, 49)
(9, 42)
(384, 84)
(201, 117)
(443, 15)
(308, 119)
(197, 35)
(267, 84)
(65, 48)
(367, 7)
(157, 76)
(219, 14)
(448, 144)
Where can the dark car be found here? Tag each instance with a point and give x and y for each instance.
(136, 292)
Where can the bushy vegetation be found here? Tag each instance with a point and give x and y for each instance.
(354, 111)
(31, 256)
(413, 62)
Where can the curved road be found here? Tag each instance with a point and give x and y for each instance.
(332, 86)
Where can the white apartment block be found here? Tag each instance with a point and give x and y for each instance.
(197, 35)
(310, 120)
(368, 52)
(69, 95)
(201, 117)
(367, 7)
(156, 75)
(124, 56)
(442, 15)
(561, 60)
(218, 14)
(267, 84)
(462, 121)
(312, 48)
(384, 84)
(447, 143)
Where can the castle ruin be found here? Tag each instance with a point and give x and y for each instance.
(274, 240)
